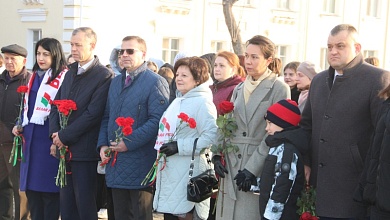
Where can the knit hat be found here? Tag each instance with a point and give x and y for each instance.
(15, 49)
(308, 69)
(284, 113)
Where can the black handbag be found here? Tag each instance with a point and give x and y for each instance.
(201, 187)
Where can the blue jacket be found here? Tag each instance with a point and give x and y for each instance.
(145, 100)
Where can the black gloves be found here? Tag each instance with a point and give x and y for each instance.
(218, 166)
(169, 149)
(244, 180)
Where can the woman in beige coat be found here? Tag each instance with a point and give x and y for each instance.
(251, 99)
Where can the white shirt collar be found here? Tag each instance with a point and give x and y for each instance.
(336, 74)
(85, 66)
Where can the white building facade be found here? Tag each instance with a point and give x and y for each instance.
(299, 28)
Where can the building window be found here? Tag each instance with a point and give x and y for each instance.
(324, 59)
(373, 7)
(34, 35)
(283, 4)
(370, 53)
(169, 49)
(329, 6)
(281, 53)
(37, 35)
(217, 46)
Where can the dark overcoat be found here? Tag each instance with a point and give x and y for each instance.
(341, 118)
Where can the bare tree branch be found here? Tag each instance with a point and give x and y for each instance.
(232, 26)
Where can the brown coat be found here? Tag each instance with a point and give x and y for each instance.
(252, 150)
(341, 118)
(9, 109)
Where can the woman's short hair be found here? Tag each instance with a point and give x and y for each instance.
(198, 68)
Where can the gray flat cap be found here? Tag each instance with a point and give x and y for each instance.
(15, 49)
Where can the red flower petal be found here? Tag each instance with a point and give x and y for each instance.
(226, 107)
(183, 117)
(192, 123)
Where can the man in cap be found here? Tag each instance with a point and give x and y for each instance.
(14, 75)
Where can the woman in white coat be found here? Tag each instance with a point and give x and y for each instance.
(196, 100)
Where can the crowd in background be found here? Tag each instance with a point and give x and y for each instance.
(296, 126)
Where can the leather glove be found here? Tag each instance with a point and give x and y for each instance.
(244, 180)
(169, 149)
(218, 166)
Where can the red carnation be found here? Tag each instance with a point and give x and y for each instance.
(183, 117)
(127, 130)
(226, 107)
(22, 89)
(124, 129)
(120, 121)
(191, 122)
(128, 121)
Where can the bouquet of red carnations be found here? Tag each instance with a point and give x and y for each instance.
(17, 147)
(123, 130)
(65, 108)
(185, 121)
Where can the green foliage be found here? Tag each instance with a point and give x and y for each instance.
(226, 127)
(306, 202)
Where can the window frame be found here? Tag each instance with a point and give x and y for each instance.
(329, 6)
(280, 4)
(373, 8)
(324, 64)
(282, 55)
(33, 36)
(168, 54)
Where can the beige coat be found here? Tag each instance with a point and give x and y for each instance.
(252, 151)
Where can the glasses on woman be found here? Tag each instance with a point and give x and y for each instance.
(128, 51)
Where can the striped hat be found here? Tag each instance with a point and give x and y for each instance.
(284, 113)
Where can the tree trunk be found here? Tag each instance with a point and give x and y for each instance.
(232, 26)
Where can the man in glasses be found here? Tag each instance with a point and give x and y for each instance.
(142, 95)
(87, 84)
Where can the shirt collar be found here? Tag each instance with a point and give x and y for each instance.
(85, 66)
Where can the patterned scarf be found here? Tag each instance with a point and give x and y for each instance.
(168, 121)
(45, 95)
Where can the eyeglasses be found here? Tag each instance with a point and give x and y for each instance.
(128, 51)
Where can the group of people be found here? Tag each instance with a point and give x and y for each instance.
(327, 129)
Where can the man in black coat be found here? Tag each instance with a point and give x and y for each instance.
(340, 114)
(87, 84)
